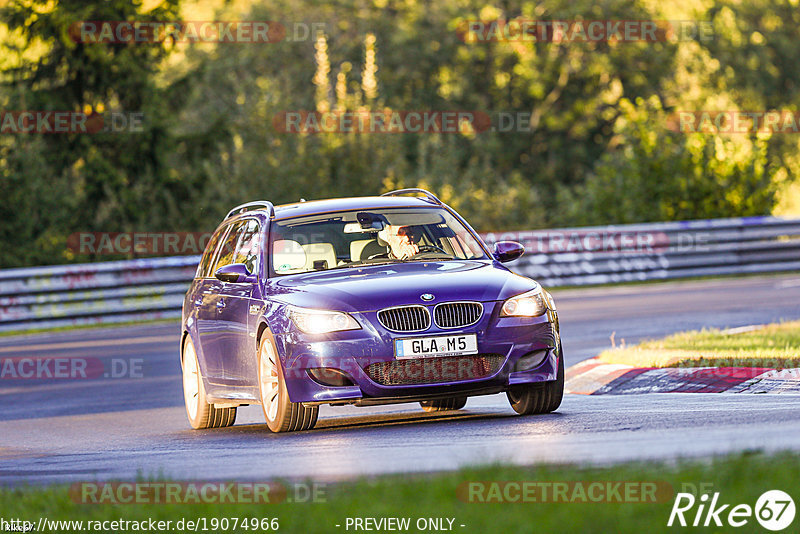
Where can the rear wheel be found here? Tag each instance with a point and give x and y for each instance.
(201, 414)
(281, 414)
(453, 403)
(544, 397)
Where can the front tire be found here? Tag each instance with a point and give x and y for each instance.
(281, 414)
(201, 414)
(544, 397)
(442, 405)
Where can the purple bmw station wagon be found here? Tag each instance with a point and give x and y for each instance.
(364, 301)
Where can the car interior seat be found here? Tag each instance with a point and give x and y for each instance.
(364, 248)
(319, 256)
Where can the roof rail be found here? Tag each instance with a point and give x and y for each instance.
(428, 195)
(250, 206)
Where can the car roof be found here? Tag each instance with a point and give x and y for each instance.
(314, 207)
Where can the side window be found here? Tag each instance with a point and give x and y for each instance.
(227, 251)
(249, 245)
(202, 269)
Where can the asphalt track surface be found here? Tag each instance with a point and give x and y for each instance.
(124, 428)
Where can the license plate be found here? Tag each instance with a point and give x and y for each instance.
(430, 347)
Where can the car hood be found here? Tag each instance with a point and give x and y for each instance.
(381, 286)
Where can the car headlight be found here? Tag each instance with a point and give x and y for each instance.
(322, 321)
(530, 304)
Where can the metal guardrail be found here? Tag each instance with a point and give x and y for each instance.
(658, 251)
(144, 289)
(94, 293)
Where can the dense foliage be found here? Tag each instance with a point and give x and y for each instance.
(599, 148)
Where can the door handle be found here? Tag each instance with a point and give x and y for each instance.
(221, 303)
(201, 298)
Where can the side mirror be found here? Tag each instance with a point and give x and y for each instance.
(237, 273)
(505, 251)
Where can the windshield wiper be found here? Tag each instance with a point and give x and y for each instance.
(419, 257)
(362, 264)
(387, 261)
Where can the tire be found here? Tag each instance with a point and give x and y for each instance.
(453, 403)
(200, 413)
(539, 398)
(281, 414)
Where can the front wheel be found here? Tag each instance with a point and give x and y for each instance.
(281, 414)
(201, 414)
(539, 398)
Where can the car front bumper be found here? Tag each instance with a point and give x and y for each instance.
(505, 339)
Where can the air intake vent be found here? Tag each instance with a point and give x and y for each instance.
(457, 314)
(435, 370)
(405, 318)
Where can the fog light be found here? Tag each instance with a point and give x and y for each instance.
(328, 376)
(531, 360)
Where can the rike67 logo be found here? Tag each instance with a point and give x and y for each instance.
(774, 510)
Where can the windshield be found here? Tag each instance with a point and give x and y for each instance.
(357, 238)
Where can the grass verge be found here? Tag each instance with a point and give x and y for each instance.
(739, 478)
(774, 345)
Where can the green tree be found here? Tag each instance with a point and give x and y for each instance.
(656, 174)
(106, 181)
